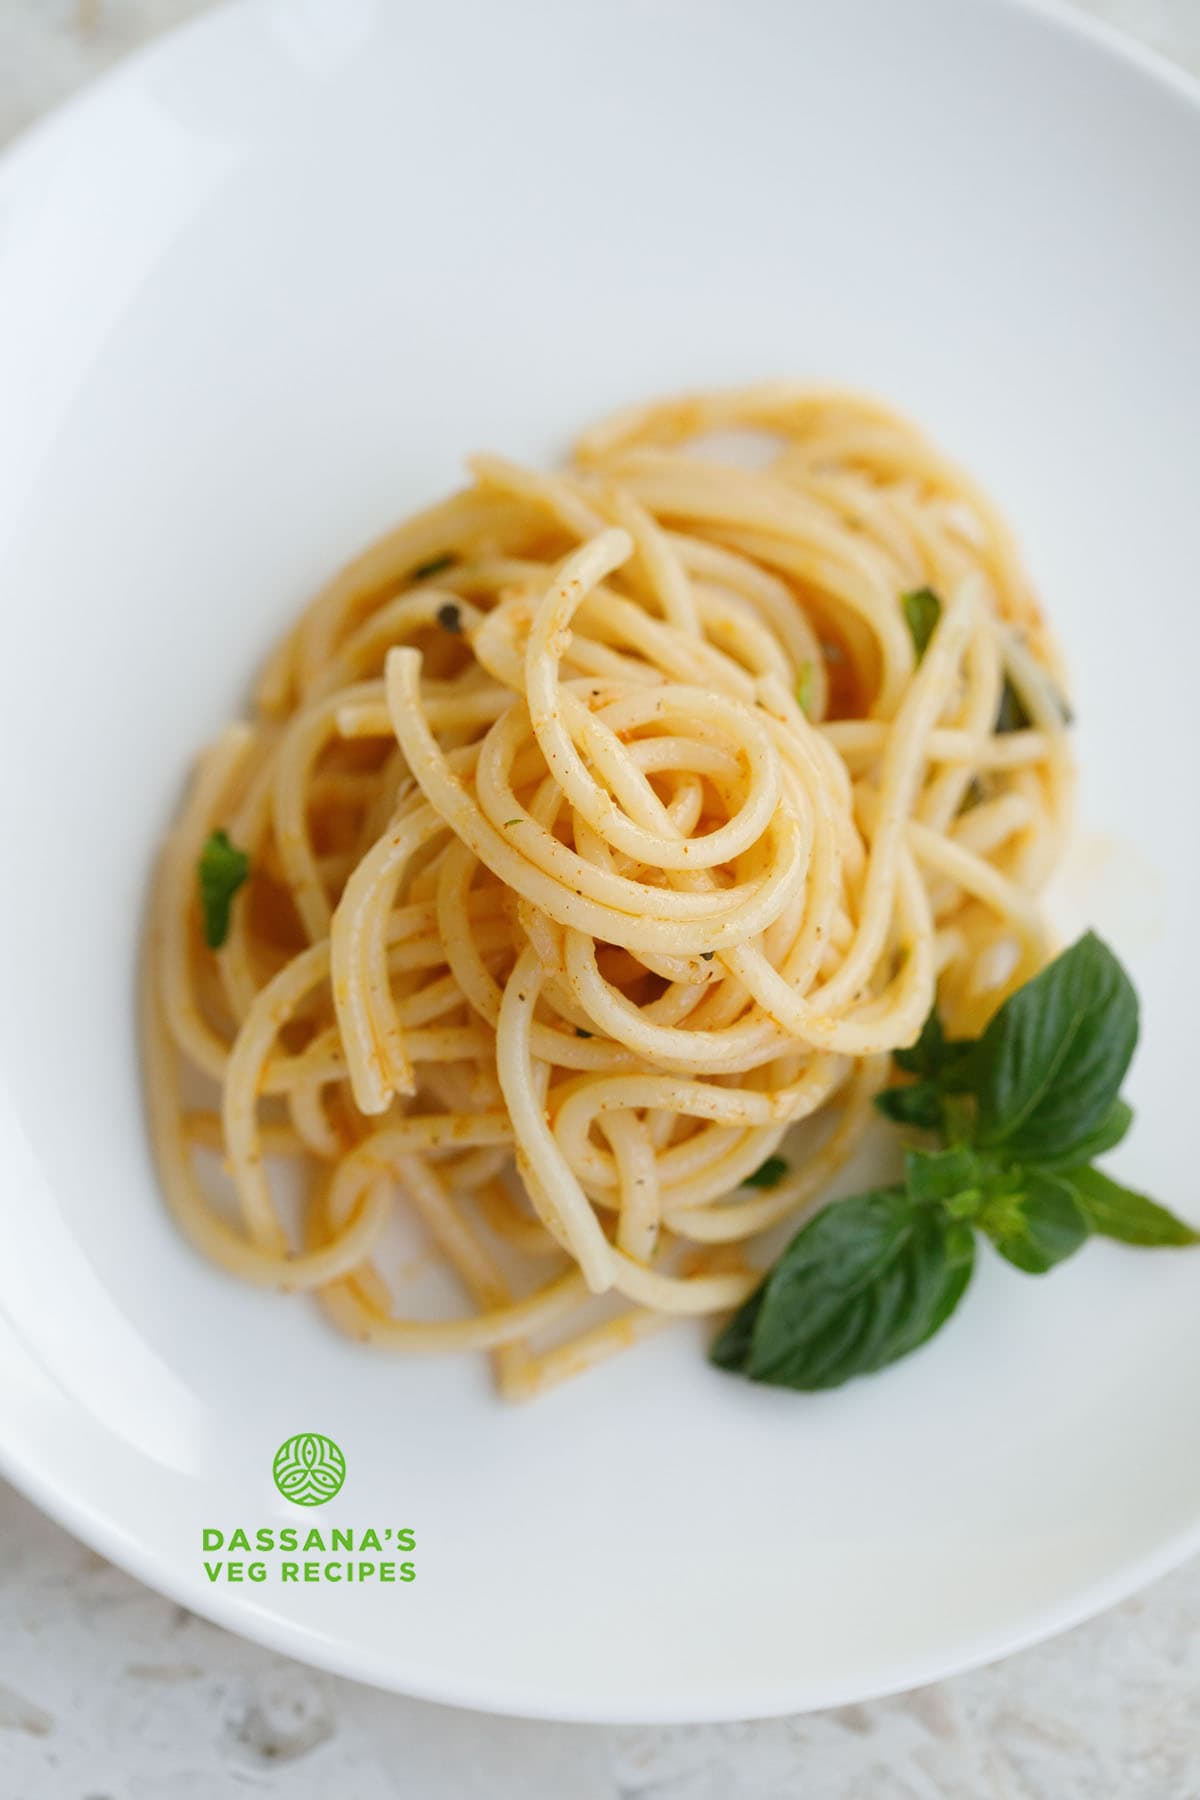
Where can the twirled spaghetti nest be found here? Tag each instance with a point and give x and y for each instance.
(602, 827)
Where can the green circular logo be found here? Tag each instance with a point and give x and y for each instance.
(309, 1469)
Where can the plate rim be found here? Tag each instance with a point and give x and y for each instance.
(284, 1636)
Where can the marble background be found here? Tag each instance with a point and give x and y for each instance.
(108, 1692)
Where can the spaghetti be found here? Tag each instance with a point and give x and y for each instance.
(602, 828)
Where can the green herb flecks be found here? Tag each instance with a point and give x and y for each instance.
(922, 610)
(437, 565)
(804, 689)
(1020, 1113)
(1013, 714)
(768, 1174)
(220, 872)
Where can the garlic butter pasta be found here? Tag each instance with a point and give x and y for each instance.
(594, 831)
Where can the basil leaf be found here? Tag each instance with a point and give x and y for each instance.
(1047, 1069)
(934, 1053)
(922, 610)
(1041, 1225)
(951, 1277)
(730, 1349)
(927, 1055)
(942, 1062)
(804, 689)
(1107, 1135)
(221, 870)
(835, 1251)
(949, 1175)
(768, 1174)
(919, 1105)
(862, 1284)
(1117, 1212)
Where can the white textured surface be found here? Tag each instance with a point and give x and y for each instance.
(109, 1693)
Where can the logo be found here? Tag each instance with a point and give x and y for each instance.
(309, 1469)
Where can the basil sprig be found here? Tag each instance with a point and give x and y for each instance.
(1020, 1112)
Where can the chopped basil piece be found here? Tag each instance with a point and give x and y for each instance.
(768, 1174)
(221, 870)
(922, 610)
(437, 565)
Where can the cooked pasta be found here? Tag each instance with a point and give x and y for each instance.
(599, 829)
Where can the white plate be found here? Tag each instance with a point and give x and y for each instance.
(258, 295)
